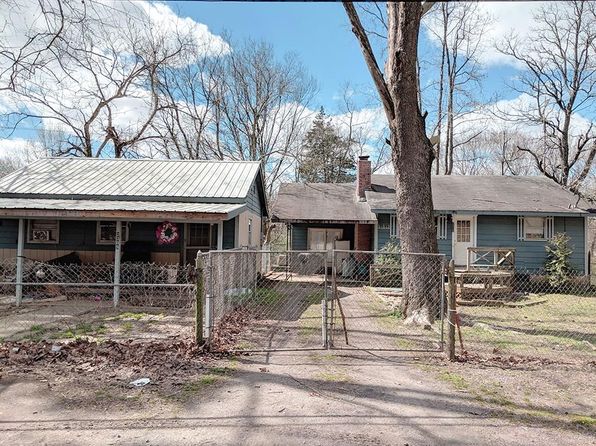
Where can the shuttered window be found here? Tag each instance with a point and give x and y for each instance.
(393, 227)
(442, 227)
(535, 228)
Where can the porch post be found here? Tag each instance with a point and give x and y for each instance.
(117, 255)
(20, 258)
(376, 237)
(220, 235)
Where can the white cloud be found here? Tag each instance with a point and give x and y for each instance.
(505, 18)
(74, 88)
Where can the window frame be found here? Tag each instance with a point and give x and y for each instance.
(41, 242)
(393, 226)
(210, 237)
(548, 228)
(249, 232)
(98, 241)
(442, 227)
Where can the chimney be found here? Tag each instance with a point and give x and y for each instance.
(363, 177)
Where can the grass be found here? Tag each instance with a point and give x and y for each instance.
(80, 330)
(455, 380)
(583, 421)
(268, 296)
(562, 322)
(127, 315)
(337, 377)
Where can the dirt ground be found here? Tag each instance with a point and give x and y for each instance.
(80, 394)
(290, 398)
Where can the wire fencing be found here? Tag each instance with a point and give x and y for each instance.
(72, 300)
(526, 312)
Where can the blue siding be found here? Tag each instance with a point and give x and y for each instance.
(229, 233)
(501, 231)
(384, 234)
(253, 200)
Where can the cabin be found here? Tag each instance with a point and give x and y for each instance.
(142, 210)
(472, 213)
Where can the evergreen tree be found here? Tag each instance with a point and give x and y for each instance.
(326, 156)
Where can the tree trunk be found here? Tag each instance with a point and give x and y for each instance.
(412, 154)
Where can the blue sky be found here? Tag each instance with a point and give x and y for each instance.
(319, 33)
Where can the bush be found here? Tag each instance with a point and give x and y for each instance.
(558, 267)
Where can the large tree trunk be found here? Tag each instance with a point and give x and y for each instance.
(412, 154)
(412, 161)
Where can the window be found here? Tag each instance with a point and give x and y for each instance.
(43, 231)
(106, 232)
(250, 232)
(201, 235)
(535, 228)
(393, 227)
(442, 227)
(464, 231)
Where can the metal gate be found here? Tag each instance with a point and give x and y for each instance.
(265, 300)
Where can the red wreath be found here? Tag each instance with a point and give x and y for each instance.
(167, 233)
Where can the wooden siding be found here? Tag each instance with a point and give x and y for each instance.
(501, 231)
(253, 200)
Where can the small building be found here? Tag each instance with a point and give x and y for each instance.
(162, 211)
(520, 212)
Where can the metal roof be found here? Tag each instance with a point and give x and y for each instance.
(320, 202)
(134, 207)
(122, 179)
(485, 194)
(452, 193)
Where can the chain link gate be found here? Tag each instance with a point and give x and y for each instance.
(294, 300)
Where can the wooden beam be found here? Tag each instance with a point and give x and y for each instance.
(113, 215)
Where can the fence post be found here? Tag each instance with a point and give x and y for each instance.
(117, 261)
(451, 315)
(324, 303)
(20, 258)
(199, 300)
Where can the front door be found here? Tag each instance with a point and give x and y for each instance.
(463, 238)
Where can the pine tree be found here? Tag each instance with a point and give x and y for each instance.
(326, 155)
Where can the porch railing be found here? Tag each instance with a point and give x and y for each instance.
(481, 258)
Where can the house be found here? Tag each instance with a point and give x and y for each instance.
(519, 212)
(163, 211)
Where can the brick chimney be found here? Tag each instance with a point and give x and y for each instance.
(363, 177)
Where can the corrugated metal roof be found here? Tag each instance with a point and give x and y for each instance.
(134, 179)
(321, 202)
(118, 205)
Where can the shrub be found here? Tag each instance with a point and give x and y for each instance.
(558, 266)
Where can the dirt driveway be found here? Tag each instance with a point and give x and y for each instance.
(289, 398)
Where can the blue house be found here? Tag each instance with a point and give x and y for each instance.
(158, 211)
(520, 212)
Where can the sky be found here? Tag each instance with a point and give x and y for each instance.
(320, 35)
(317, 33)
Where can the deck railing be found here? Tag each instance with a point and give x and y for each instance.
(481, 258)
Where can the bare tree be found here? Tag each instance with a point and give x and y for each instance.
(558, 85)
(459, 27)
(412, 152)
(100, 85)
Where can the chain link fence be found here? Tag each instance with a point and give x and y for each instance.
(386, 301)
(526, 312)
(265, 300)
(73, 300)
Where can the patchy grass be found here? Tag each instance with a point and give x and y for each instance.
(563, 322)
(268, 296)
(80, 330)
(584, 421)
(336, 377)
(454, 379)
(128, 315)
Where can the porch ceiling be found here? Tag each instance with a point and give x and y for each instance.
(108, 209)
